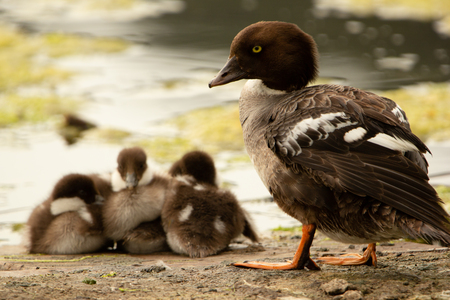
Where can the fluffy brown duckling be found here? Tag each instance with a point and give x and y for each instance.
(147, 237)
(69, 221)
(336, 158)
(201, 219)
(139, 193)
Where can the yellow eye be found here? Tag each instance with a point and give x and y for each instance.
(257, 49)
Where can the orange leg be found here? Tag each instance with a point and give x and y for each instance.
(301, 258)
(369, 257)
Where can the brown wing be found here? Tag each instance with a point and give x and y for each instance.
(356, 142)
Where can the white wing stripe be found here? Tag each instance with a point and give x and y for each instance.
(324, 122)
(393, 143)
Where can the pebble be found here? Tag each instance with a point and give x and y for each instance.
(335, 286)
(350, 295)
(420, 297)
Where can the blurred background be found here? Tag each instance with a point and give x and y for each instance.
(81, 79)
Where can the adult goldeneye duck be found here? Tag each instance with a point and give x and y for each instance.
(69, 221)
(201, 219)
(336, 158)
(139, 193)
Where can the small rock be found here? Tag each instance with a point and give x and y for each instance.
(153, 269)
(352, 295)
(335, 286)
(351, 246)
(420, 297)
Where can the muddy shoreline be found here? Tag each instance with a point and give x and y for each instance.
(405, 270)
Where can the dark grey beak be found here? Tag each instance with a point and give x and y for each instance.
(131, 180)
(99, 200)
(229, 73)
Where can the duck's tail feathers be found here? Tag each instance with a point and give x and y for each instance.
(430, 233)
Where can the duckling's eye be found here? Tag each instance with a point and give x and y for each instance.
(257, 49)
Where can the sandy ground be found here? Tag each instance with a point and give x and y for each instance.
(405, 271)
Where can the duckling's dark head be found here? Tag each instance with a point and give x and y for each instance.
(76, 185)
(198, 164)
(131, 164)
(280, 54)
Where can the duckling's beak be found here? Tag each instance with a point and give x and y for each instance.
(131, 180)
(229, 73)
(99, 200)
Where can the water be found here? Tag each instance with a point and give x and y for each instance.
(183, 44)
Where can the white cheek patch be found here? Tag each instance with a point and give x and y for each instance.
(117, 182)
(393, 143)
(185, 213)
(63, 205)
(354, 135)
(219, 225)
(148, 174)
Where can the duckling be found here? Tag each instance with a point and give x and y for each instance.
(201, 219)
(336, 158)
(69, 221)
(139, 194)
(147, 237)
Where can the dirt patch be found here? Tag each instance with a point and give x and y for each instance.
(405, 271)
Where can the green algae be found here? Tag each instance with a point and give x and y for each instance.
(166, 149)
(33, 109)
(89, 281)
(215, 129)
(107, 135)
(58, 45)
(288, 229)
(25, 62)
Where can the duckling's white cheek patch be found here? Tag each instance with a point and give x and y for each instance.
(185, 213)
(354, 135)
(393, 143)
(117, 182)
(219, 225)
(63, 205)
(146, 177)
